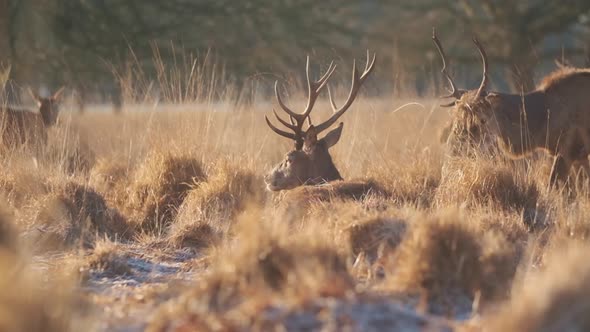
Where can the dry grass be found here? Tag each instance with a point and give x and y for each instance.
(29, 304)
(476, 182)
(108, 260)
(446, 258)
(414, 235)
(209, 209)
(553, 299)
(160, 185)
(72, 214)
(29, 301)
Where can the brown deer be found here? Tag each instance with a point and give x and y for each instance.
(22, 126)
(310, 163)
(555, 117)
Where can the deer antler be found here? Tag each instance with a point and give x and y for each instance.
(298, 119)
(454, 92)
(357, 82)
(484, 59)
(314, 88)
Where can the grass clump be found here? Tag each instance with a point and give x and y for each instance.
(448, 260)
(477, 182)
(209, 210)
(73, 214)
(553, 299)
(29, 302)
(107, 260)
(263, 267)
(161, 183)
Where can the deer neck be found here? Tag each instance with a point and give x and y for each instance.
(325, 170)
(47, 118)
(520, 120)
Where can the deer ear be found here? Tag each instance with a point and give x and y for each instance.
(58, 93)
(333, 136)
(34, 95)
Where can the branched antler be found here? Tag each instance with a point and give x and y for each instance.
(314, 89)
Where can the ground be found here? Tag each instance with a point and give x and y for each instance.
(158, 219)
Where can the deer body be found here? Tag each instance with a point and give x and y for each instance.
(22, 126)
(555, 117)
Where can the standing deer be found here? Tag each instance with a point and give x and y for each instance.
(555, 117)
(21, 126)
(310, 163)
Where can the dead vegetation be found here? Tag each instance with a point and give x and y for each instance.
(178, 223)
(552, 299)
(160, 185)
(447, 259)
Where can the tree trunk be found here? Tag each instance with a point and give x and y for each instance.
(5, 53)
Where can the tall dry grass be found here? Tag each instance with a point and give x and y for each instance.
(437, 242)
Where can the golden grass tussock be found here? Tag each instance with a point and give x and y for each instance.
(415, 185)
(160, 184)
(294, 205)
(373, 237)
(108, 260)
(445, 257)
(554, 298)
(72, 214)
(265, 265)
(20, 184)
(29, 302)
(475, 182)
(110, 177)
(209, 210)
(68, 151)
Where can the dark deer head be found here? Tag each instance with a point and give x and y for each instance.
(49, 106)
(472, 108)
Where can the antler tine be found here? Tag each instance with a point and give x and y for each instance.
(281, 132)
(454, 92)
(369, 66)
(357, 82)
(319, 84)
(298, 119)
(315, 87)
(484, 59)
(291, 125)
(282, 104)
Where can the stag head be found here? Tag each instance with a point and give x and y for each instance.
(48, 106)
(310, 162)
(472, 108)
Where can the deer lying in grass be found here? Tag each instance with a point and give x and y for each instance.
(310, 163)
(555, 117)
(21, 126)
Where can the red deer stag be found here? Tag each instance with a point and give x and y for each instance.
(310, 163)
(555, 117)
(21, 126)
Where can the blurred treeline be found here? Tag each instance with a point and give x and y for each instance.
(80, 43)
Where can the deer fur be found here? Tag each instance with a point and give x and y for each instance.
(554, 118)
(22, 126)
